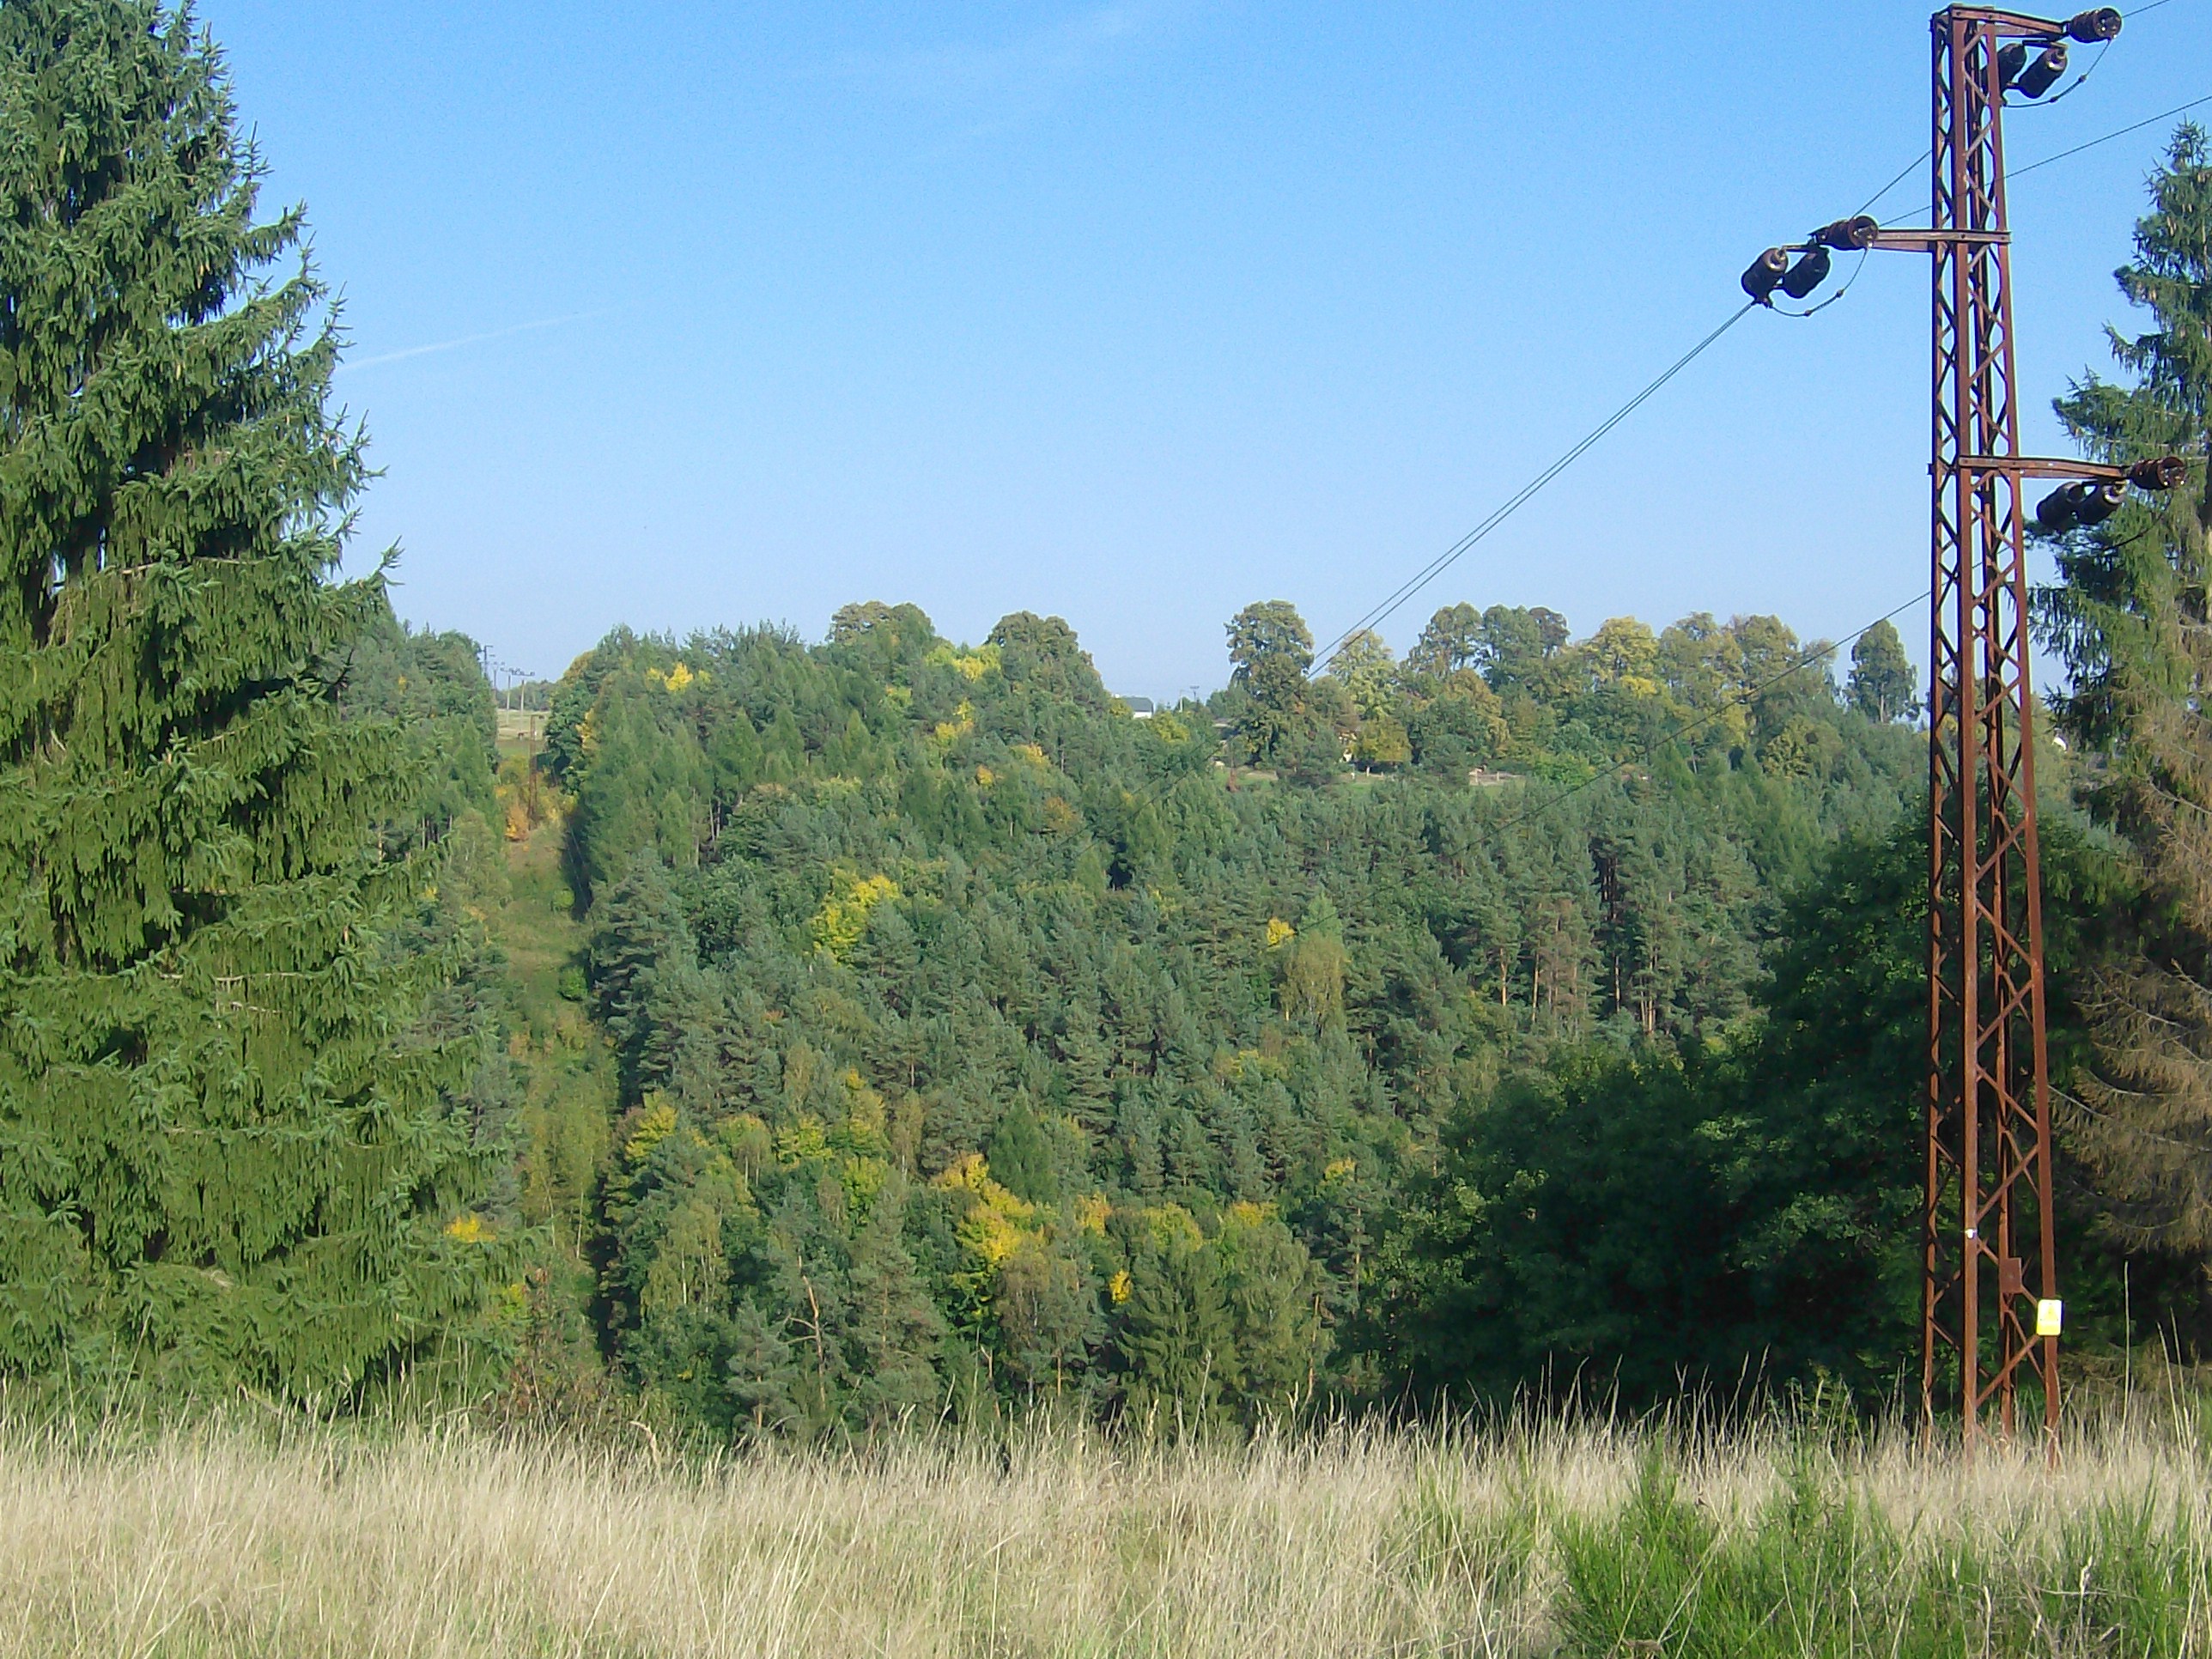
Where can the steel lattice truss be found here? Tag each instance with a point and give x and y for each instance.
(1990, 1305)
(1988, 1244)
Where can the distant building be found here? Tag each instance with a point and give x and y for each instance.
(1141, 708)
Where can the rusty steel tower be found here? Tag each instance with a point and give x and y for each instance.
(1989, 1303)
(1991, 1307)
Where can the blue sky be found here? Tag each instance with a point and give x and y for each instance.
(685, 315)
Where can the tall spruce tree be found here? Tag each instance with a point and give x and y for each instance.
(2131, 619)
(2129, 584)
(223, 1157)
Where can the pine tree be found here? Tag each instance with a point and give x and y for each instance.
(2130, 621)
(763, 1376)
(1019, 1157)
(641, 959)
(223, 1159)
(2144, 1124)
(1274, 1296)
(1178, 1338)
(894, 1328)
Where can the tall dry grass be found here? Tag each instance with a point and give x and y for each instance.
(1533, 1539)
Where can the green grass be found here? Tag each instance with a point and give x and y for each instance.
(1820, 1569)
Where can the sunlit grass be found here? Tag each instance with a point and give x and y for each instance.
(1535, 1539)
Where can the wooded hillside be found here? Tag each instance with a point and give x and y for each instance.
(810, 1037)
(977, 1038)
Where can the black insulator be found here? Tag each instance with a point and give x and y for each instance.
(2010, 61)
(2093, 504)
(2167, 472)
(2042, 74)
(1807, 274)
(1767, 273)
(2054, 514)
(1852, 235)
(2091, 27)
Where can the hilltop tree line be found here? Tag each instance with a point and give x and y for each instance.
(1535, 1011)
(1505, 685)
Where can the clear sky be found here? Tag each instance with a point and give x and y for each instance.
(683, 315)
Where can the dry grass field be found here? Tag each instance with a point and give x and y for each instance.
(1595, 1540)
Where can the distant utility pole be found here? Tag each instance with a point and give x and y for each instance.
(1991, 1309)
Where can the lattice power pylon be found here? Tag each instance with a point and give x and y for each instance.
(1991, 1307)
(1991, 1251)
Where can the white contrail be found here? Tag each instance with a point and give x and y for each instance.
(467, 340)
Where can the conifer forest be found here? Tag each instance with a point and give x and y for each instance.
(868, 1042)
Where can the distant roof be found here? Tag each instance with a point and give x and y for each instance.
(1142, 707)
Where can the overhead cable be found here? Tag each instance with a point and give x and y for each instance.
(1443, 560)
(2118, 132)
(1451, 554)
(2133, 126)
(1906, 171)
(1922, 160)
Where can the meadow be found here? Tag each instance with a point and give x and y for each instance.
(1526, 1538)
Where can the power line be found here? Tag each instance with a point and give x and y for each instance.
(1745, 695)
(2118, 132)
(1451, 555)
(1905, 173)
(1443, 560)
(2136, 126)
